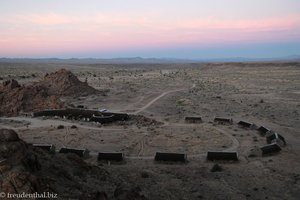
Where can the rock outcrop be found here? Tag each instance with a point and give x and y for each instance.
(15, 98)
(17, 166)
(42, 95)
(65, 83)
(28, 170)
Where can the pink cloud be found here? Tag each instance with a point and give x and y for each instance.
(109, 31)
(242, 24)
(45, 19)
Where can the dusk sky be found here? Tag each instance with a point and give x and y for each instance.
(194, 29)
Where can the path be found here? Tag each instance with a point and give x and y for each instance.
(154, 100)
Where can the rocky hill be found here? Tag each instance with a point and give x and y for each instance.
(15, 98)
(41, 95)
(65, 83)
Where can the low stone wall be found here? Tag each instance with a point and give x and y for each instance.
(90, 115)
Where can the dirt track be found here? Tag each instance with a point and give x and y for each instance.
(154, 100)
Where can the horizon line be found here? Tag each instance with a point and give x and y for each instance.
(297, 56)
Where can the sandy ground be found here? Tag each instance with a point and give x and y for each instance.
(262, 93)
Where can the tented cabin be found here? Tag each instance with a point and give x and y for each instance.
(193, 120)
(246, 124)
(84, 153)
(110, 156)
(174, 157)
(222, 120)
(47, 147)
(270, 149)
(218, 155)
(263, 130)
(275, 138)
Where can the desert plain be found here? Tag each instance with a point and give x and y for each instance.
(158, 97)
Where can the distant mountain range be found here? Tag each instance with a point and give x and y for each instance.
(136, 60)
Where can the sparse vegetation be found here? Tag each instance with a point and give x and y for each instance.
(241, 91)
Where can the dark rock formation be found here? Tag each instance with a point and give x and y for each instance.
(17, 165)
(65, 83)
(15, 98)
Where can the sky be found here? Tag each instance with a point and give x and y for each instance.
(189, 29)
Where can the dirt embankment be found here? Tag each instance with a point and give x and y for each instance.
(45, 94)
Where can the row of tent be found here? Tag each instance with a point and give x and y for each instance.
(274, 141)
(159, 156)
